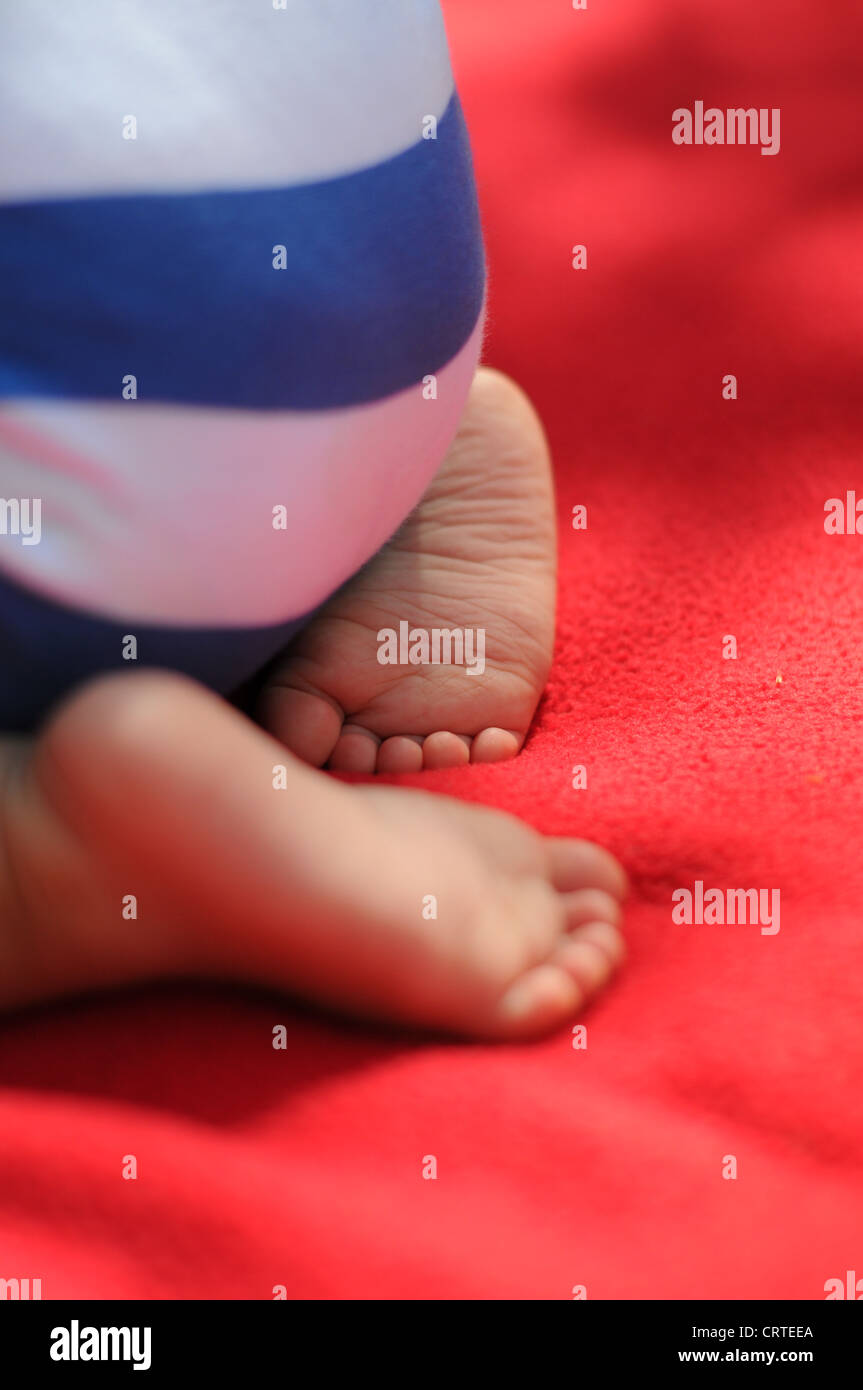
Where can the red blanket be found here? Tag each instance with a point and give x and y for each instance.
(603, 1166)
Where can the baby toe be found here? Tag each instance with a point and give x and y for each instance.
(495, 746)
(305, 721)
(548, 995)
(401, 753)
(542, 998)
(443, 750)
(356, 751)
(575, 864)
(592, 953)
(591, 905)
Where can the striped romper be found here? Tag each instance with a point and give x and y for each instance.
(241, 301)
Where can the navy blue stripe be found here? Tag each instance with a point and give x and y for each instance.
(384, 283)
(47, 649)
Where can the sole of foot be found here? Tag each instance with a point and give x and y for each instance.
(477, 555)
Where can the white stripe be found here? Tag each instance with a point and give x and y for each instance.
(164, 513)
(227, 94)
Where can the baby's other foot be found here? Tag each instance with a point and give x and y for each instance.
(146, 792)
(477, 555)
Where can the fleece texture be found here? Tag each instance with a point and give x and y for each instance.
(599, 1167)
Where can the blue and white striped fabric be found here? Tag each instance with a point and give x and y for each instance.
(237, 239)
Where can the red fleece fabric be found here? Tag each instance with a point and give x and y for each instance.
(558, 1167)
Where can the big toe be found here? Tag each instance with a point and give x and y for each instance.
(308, 722)
(551, 993)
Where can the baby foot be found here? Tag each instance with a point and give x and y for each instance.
(152, 832)
(478, 554)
